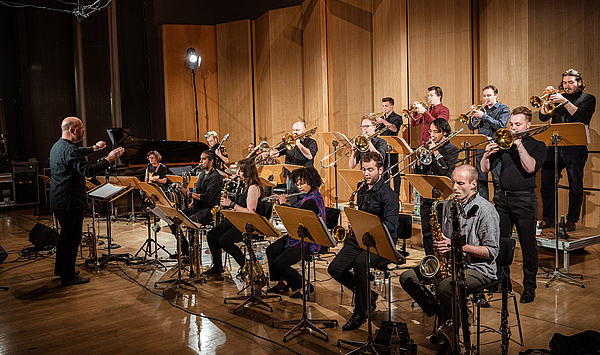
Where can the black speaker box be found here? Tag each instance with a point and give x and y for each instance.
(43, 236)
(3, 255)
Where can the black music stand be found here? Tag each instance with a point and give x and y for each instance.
(569, 134)
(374, 235)
(305, 224)
(251, 223)
(108, 193)
(169, 214)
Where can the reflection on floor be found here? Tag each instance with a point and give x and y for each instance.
(121, 311)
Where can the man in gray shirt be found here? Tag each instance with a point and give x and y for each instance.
(482, 233)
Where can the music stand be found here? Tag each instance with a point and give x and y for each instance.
(251, 223)
(108, 193)
(351, 178)
(272, 173)
(563, 134)
(135, 184)
(466, 141)
(400, 147)
(302, 225)
(178, 218)
(333, 141)
(153, 194)
(429, 185)
(374, 236)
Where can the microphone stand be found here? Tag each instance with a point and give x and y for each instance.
(335, 143)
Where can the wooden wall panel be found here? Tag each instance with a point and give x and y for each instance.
(179, 92)
(278, 73)
(235, 86)
(439, 42)
(502, 51)
(569, 37)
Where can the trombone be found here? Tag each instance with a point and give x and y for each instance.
(537, 101)
(289, 140)
(505, 138)
(469, 117)
(361, 142)
(423, 154)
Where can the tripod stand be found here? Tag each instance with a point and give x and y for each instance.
(147, 246)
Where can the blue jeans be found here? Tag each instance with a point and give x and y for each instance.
(573, 159)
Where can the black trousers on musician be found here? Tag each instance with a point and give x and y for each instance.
(520, 209)
(71, 222)
(397, 179)
(224, 236)
(349, 268)
(201, 215)
(425, 213)
(281, 260)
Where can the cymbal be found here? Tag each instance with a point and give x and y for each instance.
(231, 171)
(224, 174)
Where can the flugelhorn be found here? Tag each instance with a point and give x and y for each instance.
(538, 101)
(469, 117)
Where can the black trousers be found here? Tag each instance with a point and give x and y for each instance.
(520, 210)
(573, 159)
(281, 260)
(398, 179)
(224, 236)
(425, 214)
(197, 215)
(349, 268)
(68, 243)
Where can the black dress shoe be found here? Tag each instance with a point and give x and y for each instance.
(354, 323)
(527, 296)
(214, 271)
(77, 280)
(298, 294)
(274, 289)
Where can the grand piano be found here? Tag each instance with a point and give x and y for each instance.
(174, 153)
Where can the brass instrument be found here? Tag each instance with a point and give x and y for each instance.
(505, 138)
(289, 140)
(216, 210)
(361, 142)
(339, 233)
(413, 109)
(276, 197)
(195, 254)
(469, 117)
(436, 265)
(259, 272)
(174, 191)
(257, 147)
(92, 242)
(425, 155)
(538, 101)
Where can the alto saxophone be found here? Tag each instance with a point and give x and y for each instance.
(216, 210)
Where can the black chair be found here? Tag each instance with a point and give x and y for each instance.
(404, 231)
(504, 259)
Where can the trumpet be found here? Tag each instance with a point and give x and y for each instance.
(408, 113)
(469, 117)
(289, 140)
(538, 101)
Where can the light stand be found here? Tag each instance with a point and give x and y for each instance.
(556, 274)
(193, 62)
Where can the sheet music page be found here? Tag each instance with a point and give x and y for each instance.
(106, 191)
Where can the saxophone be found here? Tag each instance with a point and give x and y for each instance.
(431, 265)
(92, 242)
(195, 261)
(216, 210)
(259, 273)
(339, 233)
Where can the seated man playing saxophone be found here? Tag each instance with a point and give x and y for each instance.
(482, 233)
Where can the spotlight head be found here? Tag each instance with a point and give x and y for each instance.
(192, 59)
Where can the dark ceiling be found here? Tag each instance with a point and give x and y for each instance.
(211, 12)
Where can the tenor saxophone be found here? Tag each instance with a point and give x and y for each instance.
(431, 265)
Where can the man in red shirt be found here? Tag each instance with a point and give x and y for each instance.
(424, 117)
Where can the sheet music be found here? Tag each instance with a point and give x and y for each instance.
(106, 191)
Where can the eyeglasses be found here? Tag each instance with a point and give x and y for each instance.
(434, 131)
(367, 125)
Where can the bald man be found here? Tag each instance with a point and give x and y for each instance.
(303, 154)
(69, 168)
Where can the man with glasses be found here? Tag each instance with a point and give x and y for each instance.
(377, 145)
(493, 117)
(444, 160)
(213, 143)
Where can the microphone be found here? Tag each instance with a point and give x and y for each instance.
(472, 211)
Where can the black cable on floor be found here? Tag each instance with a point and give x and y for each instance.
(204, 316)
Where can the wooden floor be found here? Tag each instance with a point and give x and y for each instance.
(120, 311)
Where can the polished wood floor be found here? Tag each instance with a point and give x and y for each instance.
(120, 311)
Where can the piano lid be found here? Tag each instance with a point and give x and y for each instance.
(173, 152)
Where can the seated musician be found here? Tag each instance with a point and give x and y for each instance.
(156, 172)
(213, 143)
(482, 233)
(265, 158)
(376, 144)
(205, 194)
(225, 235)
(349, 267)
(285, 252)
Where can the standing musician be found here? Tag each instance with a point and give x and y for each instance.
(213, 143)
(424, 117)
(577, 107)
(376, 144)
(516, 201)
(493, 117)
(69, 168)
(303, 154)
(482, 233)
(349, 267)
(393, 122)
(265, 157)
(156, 172)
(225, 235)
(285, 251)
(444, 160)
(205, 194)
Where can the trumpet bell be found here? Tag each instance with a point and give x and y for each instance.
(535, 101)
(463, 118)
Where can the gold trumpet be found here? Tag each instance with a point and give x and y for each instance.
(408, 113)
(538, 101)
(469, 117)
